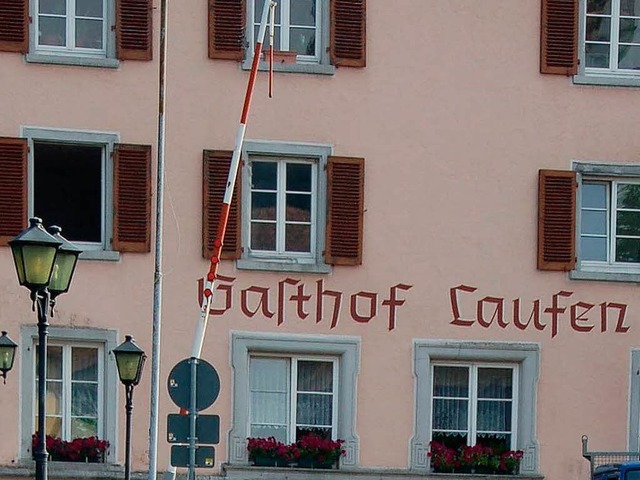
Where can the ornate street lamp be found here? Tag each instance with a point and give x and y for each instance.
(7, 354)
(130, 361)
(43, 260)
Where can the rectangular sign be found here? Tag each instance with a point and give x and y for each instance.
(207, 429)
(205, 456)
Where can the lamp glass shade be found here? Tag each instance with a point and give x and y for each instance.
(34, 252)
(129, 367)
(36, 264)
(7, 352)
(64, 265)
(62, 273)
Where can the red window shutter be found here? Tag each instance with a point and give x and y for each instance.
(559, 37)
(134, 29)
(216, 164)
(345, 210)
(226, 29)
(13, 187)
(14, 26)
(132, 198)
(348, 33)
(556, 220)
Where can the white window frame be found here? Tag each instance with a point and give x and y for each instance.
(313, 261)
(281, 206)
(601, 76)
(293, 392)
(610, 264)
(345, 349)
(102, 250)
(108, 378)
(285, 26)
(472, 399)
(318, 63)
(71, 55)
(426, 353)
(609, 270)
(67, 384)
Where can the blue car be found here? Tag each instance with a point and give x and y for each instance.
(617, 471)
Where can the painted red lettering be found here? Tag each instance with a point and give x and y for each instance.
(393, 301)
(455, 309)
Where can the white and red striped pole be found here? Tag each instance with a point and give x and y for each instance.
(209, 284)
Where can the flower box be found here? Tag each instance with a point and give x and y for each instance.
(310, 451)
(477, 459)
(82, 449)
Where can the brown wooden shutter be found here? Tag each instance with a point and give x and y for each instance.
(559, 37)
(345, 210)
(216, 164)
(14, 26)
(348, 33)
(556, 220)
(134, 29)
(132, 198)
(226, 29)
(13, 187)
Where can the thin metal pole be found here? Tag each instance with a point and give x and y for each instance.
(129, 410)
(157, 279)
(41, 455)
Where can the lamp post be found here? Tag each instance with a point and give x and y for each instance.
(7, 354)
(130, 361)
(45, 264)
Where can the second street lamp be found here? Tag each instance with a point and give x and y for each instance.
(130, 361)
(7, 354)
(43, 260)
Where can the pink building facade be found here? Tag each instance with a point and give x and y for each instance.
(435, 233)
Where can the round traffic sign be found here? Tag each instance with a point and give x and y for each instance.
(207, 384)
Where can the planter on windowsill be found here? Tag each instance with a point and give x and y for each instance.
(314, 463)
(261, 461)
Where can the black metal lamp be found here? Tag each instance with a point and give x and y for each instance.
(43, 262)
(34, 253)
(64, 265)
(7, 354)
(130, 361)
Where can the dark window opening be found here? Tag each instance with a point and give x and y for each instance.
(68, 189)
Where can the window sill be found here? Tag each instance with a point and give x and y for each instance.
(245, 472)
(104, 255)
(72, 60)
(75, 470)
(604, 276)
(607, 80)
(312, 68)
(254, 264)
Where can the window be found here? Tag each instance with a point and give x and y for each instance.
(322, 33)
(297, 27)
(473, 404)
(71, 26)
(611, 43)
(475, 393)
(97, 190)
(590, 221)
(282, 205)
(74, 401)
(294, 208)
(609, 223)
(69, 189)
(292, 396)
(286, 385)
(595, 41)
(81, 379)
(94, 33)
